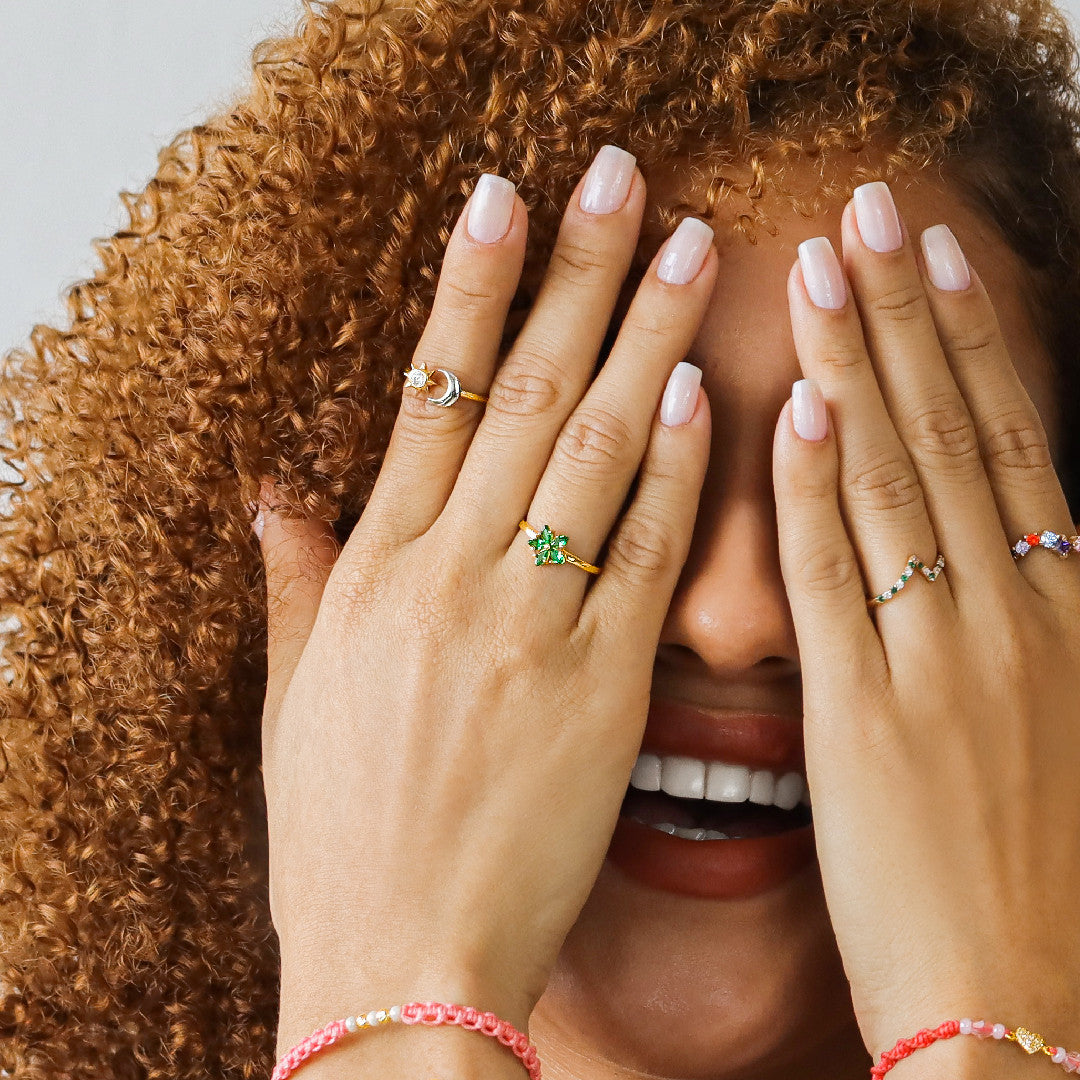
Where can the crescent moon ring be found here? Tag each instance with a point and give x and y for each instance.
(453, 390)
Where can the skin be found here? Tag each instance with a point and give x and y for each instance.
(614, 980)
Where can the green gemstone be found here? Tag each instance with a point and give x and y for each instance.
(558, 557)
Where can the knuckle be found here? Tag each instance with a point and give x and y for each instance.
(424, 422)
(844, 353)
(467, 298)
(826, 572)
(527, 385)
(1017, 442)
(644, 546)
(902, 305)
(575, 262)
(887, 483)
(594, 438)
(974, 342)
(943, 428)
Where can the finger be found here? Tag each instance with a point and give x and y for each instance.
(600, 448)
(298, 554)
(880, 495)
(1012, 441)
(922, 397)
(817, 559)
(479, 276)
(649, 545)
(545, 374)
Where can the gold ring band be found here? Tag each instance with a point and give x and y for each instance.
(551, 548)
(419, 378)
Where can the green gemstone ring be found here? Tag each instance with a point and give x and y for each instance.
(551, 548)
(913, 564)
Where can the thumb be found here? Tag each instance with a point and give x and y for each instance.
(298, 554)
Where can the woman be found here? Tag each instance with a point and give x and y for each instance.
(448, 728)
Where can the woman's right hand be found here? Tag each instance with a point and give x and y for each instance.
(449, 730)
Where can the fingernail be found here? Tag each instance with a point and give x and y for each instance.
(607, 183)
(822, 274)
(809, 417)
(680, 394)
(945, 262)
(490, 208)
(876, 216)
(685, 252)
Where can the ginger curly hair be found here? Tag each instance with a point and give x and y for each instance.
(253, 318)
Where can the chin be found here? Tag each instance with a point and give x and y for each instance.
(667, 985)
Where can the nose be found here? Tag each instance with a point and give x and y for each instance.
(729, 615)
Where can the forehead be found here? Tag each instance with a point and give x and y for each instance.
(744, 344)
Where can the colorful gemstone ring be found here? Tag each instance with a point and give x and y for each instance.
(419, 378)
(1052, 541)
(551, 548)
(913, 564)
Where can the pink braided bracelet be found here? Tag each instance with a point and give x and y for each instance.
(415, 1012)
(1029, 1040)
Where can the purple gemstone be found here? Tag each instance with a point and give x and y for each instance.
(1063, 545)
(1022, 548)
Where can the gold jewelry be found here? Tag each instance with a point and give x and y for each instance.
(419, 378)
(551, 548)
(913, 564)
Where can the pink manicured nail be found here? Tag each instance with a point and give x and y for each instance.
(875, 213)
(680, 394)
(490, 208)
(607, 183)
(822, 274)
(809, 416)
(945, 262)
(684, 252)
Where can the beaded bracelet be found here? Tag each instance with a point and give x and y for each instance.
(1029, 1040)
(415, 1012)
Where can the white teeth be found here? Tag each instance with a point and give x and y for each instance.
(727, 783)
(719, 781)
(789, 789)
(646, 774)
(762, 787)
(683, 777)
(669, 829)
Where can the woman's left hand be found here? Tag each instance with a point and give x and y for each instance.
(942, 726)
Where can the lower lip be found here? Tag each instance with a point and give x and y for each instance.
(711, 869)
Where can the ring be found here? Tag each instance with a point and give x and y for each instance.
(551, 548)
(1052, 541)
(913, 564)
(419, 378)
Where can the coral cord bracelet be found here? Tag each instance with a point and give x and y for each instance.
(1023, 1037)
(415, 1012)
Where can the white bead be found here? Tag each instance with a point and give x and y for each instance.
(373, 1017)
(382, 1016)
(965, 1026)
(361, 1020)
(350, 1023)
(395, 1013)
(999, 1031)
(1058, 1055)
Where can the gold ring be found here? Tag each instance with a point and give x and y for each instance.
(419, 378)
(551, 548)
(914, 563)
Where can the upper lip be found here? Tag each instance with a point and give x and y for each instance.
(757, 740)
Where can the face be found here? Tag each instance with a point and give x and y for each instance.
(656, 982)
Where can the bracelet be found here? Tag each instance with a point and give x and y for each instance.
(415, 1012)
(1029, 1040)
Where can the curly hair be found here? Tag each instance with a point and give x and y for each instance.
(253, 317)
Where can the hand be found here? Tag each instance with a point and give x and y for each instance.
(942, 734)
(449, 730)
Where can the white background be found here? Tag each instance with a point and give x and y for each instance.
(89, 91)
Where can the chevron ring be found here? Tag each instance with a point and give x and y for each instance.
(913, 564)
